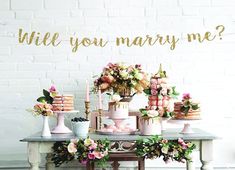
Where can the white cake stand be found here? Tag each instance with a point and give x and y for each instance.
(61, 128)
(187, 129)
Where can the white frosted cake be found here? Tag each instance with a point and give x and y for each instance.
(150, 126)
(118, 110)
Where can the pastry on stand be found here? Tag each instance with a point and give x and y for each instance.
(62, 104)
(186, 112)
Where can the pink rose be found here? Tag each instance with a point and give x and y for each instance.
(108, 79)
(152, 103)
(186, 96)
(182, 143)
(52, 89)
(180, 140)
(93, 146)
(152, 97)
(153, 86)
(72, 148)
(153, 92)
(98, 155)
(91, 156)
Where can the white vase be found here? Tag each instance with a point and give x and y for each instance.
(46, 129)
(80, 129)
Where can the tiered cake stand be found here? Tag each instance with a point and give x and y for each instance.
(61, 128)
(187, 128)
(117, 123)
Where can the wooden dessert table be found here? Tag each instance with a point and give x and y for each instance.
(38, 145)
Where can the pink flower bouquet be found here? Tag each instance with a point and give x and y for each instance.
(83, 149)
(43, 109)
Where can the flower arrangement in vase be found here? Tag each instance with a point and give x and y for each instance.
(83, 150)
(156, 147)
(150, 122)
(121, 79)
(161, 95)
(44, 108)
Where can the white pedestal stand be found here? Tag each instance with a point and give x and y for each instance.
(187, 129)
(61, 128)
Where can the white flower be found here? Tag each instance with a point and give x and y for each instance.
(115, 98)
(153, 113)
(72, 148)
(164, 150)
(139, 76)
(124, 74)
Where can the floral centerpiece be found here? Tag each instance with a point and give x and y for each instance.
(44, 108)
(160, 94)
(83, 150)
(188, 104)
(124, 80)
(156, 147)
(44, 105)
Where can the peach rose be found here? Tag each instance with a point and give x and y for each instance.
(72, 148)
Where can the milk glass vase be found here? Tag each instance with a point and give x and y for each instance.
(46, 129)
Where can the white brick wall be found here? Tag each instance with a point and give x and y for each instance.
(206, 70)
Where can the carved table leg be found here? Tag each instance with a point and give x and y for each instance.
(206, 154)
(90, 166)
(49, 163)
(115, 165)
(141, 165)
(34, 155)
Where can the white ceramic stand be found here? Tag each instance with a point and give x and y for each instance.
(61, 128)
(187, 129)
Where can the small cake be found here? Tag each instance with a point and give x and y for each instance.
(150, 126)
(187, 109)
(118, 110)
(63, 103)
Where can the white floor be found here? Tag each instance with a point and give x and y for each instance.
(22, 165)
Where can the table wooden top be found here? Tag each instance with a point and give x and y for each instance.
(170, 134)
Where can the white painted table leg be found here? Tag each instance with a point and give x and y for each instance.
(34, 155)
(206, 154)
(49, 163)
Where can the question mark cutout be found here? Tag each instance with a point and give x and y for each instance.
(221, 29)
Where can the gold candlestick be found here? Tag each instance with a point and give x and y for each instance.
(87, 109)
(100, 118)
